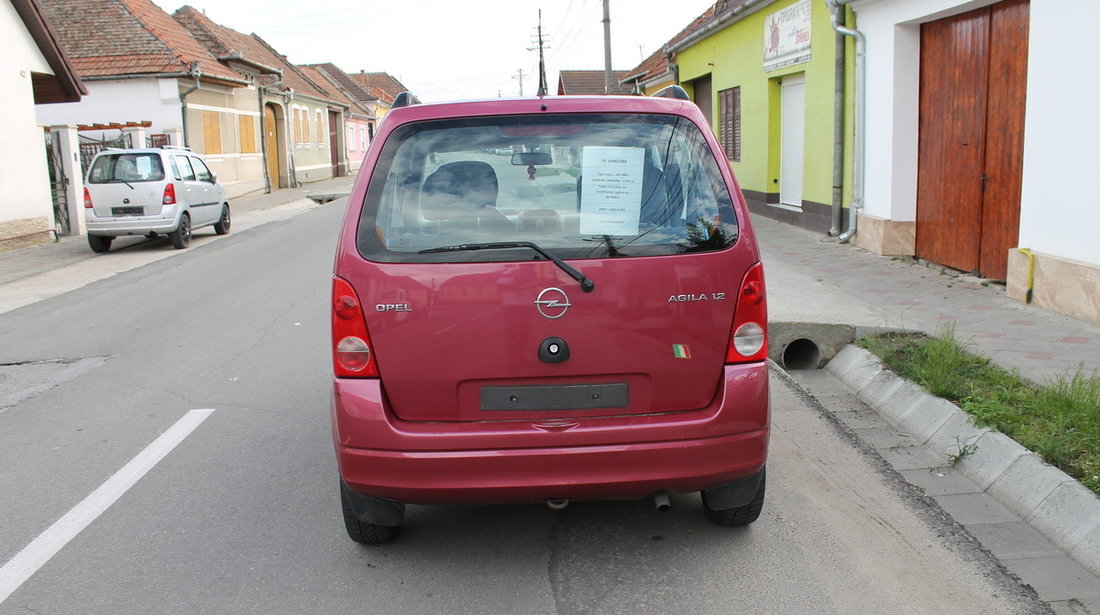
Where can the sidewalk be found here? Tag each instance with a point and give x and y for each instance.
(27, 262)
(816, 281)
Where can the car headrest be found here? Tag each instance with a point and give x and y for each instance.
(472, 181)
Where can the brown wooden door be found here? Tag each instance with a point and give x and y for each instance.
(703, 93)
(1004, 141)
(271, 147)
(972, 81)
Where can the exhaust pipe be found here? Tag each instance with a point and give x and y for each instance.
(660, 500)
(557, 504)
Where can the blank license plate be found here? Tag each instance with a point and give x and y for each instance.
(556, 397)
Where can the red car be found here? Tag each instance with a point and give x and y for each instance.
(547, 299)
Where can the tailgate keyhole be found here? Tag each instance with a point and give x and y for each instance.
(553, 350)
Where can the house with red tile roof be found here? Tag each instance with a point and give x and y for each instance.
(383, 86)
(588, 82)
(302, 119)
(360, 119)
(143, 67)
(36, 70)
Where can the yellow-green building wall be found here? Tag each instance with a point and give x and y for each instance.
(734, 57)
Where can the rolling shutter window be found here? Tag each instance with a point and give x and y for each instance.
(212, 132)
(729, 122)
(793, 128)
(248, 134)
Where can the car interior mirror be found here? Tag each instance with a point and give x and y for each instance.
(524, 159)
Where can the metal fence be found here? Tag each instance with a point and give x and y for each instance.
(90, 146)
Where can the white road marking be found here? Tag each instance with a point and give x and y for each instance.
(35, 555)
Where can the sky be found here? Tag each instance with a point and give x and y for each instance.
(446, 49)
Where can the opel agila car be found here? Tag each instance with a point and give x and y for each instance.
(152, 192)
(546, 300)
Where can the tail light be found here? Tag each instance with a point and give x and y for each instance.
(749, 338)
(87, 199)
(169, 194)
(351, 348)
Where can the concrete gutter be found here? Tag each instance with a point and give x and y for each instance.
(1062, 509)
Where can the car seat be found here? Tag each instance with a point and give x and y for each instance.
(462, 196)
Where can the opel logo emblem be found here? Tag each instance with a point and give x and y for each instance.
(553, 303)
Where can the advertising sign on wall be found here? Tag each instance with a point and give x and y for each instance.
(787, 36)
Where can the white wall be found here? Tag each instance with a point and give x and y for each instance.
(121, 100)
(24, 177)
(1060, 205)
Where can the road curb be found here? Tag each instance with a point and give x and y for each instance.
(1062, 509)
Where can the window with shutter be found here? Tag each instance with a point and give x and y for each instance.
(729, 122)
(212, 132)
(247, 128)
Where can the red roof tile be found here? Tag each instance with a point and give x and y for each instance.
(334, 73)
(590, 82)
(336, 93)
(224, 42)
(125, 37)
(380, 85)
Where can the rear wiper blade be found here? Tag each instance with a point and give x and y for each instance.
(586, 284)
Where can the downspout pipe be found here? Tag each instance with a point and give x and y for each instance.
(194, 73)
(837, 9)
(292, 170)
(838, 133)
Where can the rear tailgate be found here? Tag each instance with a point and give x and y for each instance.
(461, 342)
(117, 199)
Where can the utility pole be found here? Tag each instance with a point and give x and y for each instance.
(542, 64)
(606, 46)
(519, 77)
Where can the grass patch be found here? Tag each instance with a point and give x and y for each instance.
(1059, 421)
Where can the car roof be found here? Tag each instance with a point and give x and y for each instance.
(145, 150)
(543, 104)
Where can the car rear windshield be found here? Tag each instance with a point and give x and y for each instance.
(578, 186)
(126, 168)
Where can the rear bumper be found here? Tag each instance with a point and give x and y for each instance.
(132, 225)
(516, 461)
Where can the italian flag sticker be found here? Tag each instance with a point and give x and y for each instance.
(681, 351)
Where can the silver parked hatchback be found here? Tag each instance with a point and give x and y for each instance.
(152, 192)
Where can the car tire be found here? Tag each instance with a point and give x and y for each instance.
(742, 515)
(99, 243)
(181, 237)
(222, 226)
(363, 532)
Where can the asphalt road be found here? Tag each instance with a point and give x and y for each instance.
(241, 514)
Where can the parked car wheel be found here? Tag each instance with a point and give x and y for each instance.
(181, 237)
(365, 533)
(222, 226)
(100, 244)
(740, 516)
